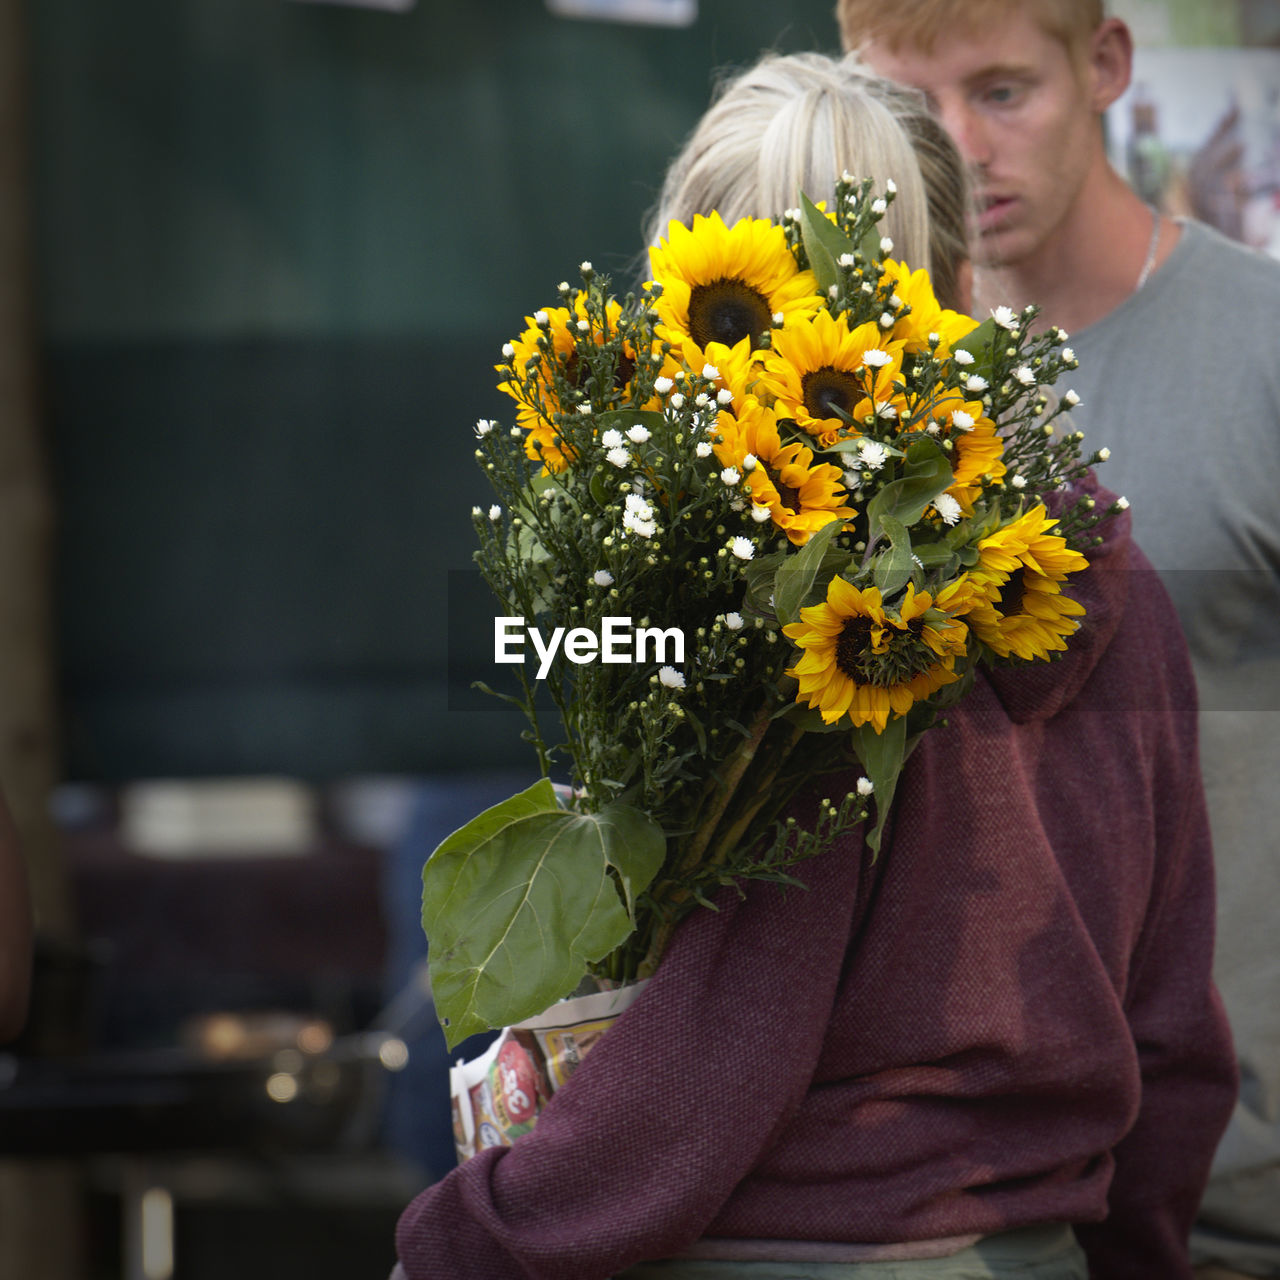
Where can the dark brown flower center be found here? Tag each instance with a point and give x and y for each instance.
(831, 393)
(853, 645)
(1009, 601)
(727, 310)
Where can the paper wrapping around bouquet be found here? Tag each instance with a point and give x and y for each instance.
(496, 1097)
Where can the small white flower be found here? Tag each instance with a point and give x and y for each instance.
(742, 547)
(876, 358)
(637, 434)
(886, 244)
(947, 508)
(760, 513)
(602, 578)
(507, 351)
(515, 433)
(641, 528)
(891, 187)
(885, 410)
(792, 215)
(1068, 355)
(886, 320)
(618, 456)
(677, 401)
(702, 449)
(586, 268)
(1024, 376)
(852, 479)
(1006, 318)
(733, 621)
(778, 319)
(1019, 482)
(475, 511)
(737, 505)
(961, 356)
(702, 400)
(483, 427)
(847, 178)
(724, 396)
(564, 287)
(1071, 399)
(730, 476)
(585, 408)
(895, 302)
(1122, 503)
(584, 326)
(845, 259)
(879, 205)
(662, 385)
(495, 513)
(961, 421)
(611, 439)
(750, 462)
(540, 319)
(1062, 335)
(640, 506)
(934, 338)
(872, 454)
(670, 678)
(975, 382)
(710, 372)
(1104, 454)
(865, 786)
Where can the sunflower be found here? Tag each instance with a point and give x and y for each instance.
(723, 284)
(801, 496)
(927, 315)
(977, 451)
(871, 662)
(821, 366)
(1020, 609)
(559, 371)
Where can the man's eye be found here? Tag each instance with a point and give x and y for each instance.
(1001, 94)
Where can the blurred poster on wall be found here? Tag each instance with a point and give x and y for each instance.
(1198, 131)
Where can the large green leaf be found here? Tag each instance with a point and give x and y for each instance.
(925, 474)
(894, 566)
(519, 901)
(824, 242)
(796, 576)
(980, 344)
(882, 756)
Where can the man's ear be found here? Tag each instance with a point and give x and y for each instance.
(1110, 63)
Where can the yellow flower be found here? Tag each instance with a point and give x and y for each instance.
(722, 284)
(927, 313)
(977, 449)
(801, 496)
(536, 392)
(820, 365)
(869, 662)
(1020, 609)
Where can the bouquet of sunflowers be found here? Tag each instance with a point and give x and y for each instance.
(760, 522)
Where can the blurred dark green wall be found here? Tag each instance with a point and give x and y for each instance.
(280, 245)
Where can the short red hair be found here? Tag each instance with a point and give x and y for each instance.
(920, 24)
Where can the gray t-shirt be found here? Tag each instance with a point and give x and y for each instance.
(1182, 383)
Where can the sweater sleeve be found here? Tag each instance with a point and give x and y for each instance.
(633, 1157)
(1185, 1055)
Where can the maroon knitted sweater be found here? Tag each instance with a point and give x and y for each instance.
(1007, 1019)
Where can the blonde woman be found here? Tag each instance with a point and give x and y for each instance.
(934, 1063)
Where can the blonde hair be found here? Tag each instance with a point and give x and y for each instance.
(793, 124)
(919, 24)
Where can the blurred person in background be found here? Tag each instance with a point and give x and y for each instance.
(15, 930)
(1175, 328)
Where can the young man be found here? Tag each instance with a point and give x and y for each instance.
(1175, 328)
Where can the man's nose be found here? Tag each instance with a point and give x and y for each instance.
(970, 132)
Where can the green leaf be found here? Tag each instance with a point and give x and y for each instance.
(925, 474)
(824, 242)
(980, 344)
(893, 568)
(796, 575)
(519, 901)
(882, 756)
